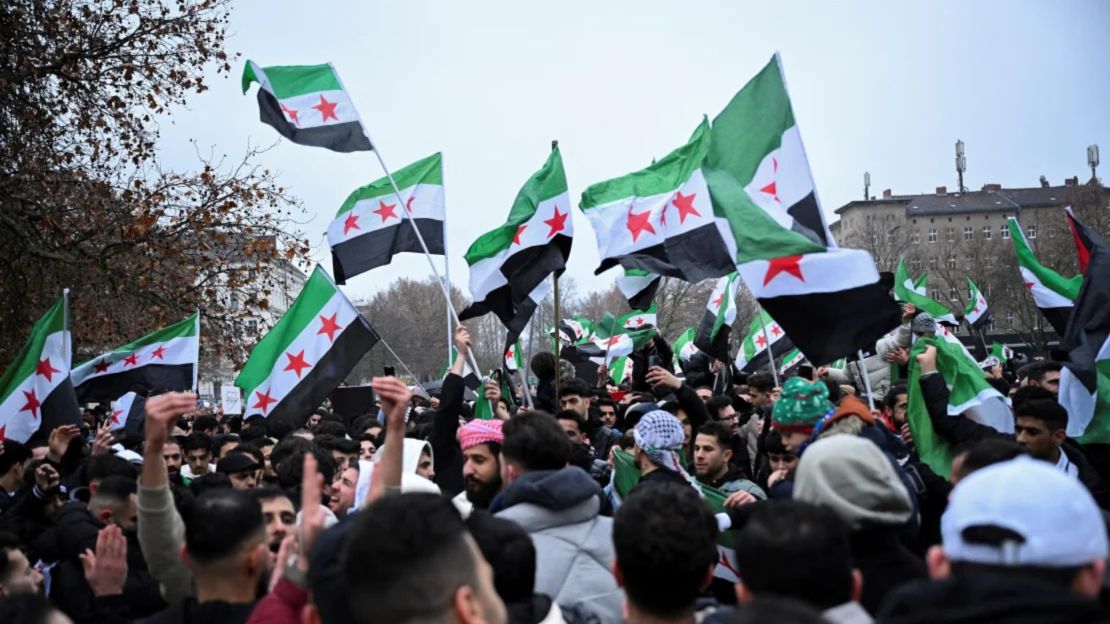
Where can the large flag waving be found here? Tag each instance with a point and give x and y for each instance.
(765, 342)
(1085, 379)
(716, 321)
(307, 104)
(905, 290)
(508, 263)
(660, 219)
(306, 355)
(371, 227)
(35, 390)
(828, 300)
(160, 361)
(1053, 294)
(639, 287)
(605, 350)
(976, 313)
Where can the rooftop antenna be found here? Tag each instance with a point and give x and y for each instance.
(866, 184)
(1092, 160)
(961, 164)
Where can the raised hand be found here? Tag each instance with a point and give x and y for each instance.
(59, 441)
(106, 569)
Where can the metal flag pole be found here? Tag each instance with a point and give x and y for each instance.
(523, 373)
(555, 294)
(415, 379)
(866, 379)
(446, 263)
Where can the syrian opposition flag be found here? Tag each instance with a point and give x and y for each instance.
(920, 287)
(620, 371)
(35, 390)
(1085, 379)
(372, 225)
(1053, 294)
(601, 350)
(976, 313)
(969, 394)
(128, 414)
(639, 287)
(639, 319)
(716, 321)
(764, 343)
(524, 313)
(307, 104)
(1002, 352)
(684, 348)
(164, 360)
(790, 362)
(661, 219)
(905, 290)
(514, 357)
(306, 355)
(574, 330)
(508, 263)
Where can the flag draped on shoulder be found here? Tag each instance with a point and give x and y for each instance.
(639, 287)
(764, 343)
(1085, 378)
(977, 313)
(828, 300)
(372, 225)
(35, 390)
(306, 355)
(160, 361)
(307, 104)
(1053, 293)
(906, 291)
(661, 219)
(969, 395)
(508, 263)
(716, 321)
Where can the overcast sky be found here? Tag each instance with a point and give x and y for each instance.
(882, 87)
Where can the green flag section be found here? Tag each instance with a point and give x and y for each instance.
(373, 225)
(969, 395)
(639, 287)
(1053, 294)
(905, 292)
(307, 104)
(620, 371)
(638, 319)
(306, 355)
(661, 219)
(507, 264)
(754, 352)
(605, 350)
(684, 347)
(163, 360)
(716, 321)
(1085, 379)
(1002, 352)
(976, 313)
(920, 287)
(35, 390)
(757, 172)
(625, 477)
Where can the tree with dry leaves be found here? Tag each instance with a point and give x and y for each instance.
(85, 203)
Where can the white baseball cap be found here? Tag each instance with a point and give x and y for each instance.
(1058, 521)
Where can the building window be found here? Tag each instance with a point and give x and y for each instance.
(915, 237)
(891, 236)
(933, 264)
(1052, 232)
(1009, 320)
(1031, 231)
(1004, 232)
(987, 232)
(968, 234)
(953, 294)
(967, 261)
(932, 235)
(951, 262)
(935, 293)
(252, 327)
(233, 303)
(950, 234)
(916, 264)
(990, 262)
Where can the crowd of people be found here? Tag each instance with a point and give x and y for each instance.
(416, 511)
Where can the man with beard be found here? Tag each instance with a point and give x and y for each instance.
(480, 441)
(278, 513)
(343, 490)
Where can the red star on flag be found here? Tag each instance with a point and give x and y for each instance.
(264, 400)
(327, 109)
(101, 366)
(519, 231)
(772, 189)
(131, 360)
(350, 223)
(975, 309)
(32, 404)
(639, 320)
(408, 204)
(158, 353)
(46, 370)
(685, 205)
(761, 341)
(385, 211)
(297, 363)
(329, 326)
(613, 340)
(557, 222)
(115, 417)
(638, 222)
(1029, 285)
(717, 302)
(292, 114)
(786, 264)
(775, 330)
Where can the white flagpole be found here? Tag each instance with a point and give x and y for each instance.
(415, 379)
(446, 264)
(767, 337)
(866, 379)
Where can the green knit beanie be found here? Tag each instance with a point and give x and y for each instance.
(801, 405)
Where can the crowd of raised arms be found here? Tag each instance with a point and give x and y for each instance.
(675, 497)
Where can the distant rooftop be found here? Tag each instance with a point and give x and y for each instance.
(991, 198)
